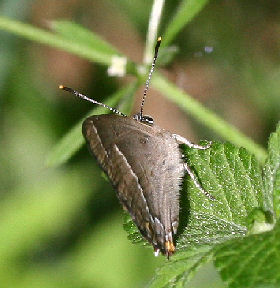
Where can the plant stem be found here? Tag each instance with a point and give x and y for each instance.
(153, 31)
(207, 117)
(39, 35)
(186, 102)
(186, 11)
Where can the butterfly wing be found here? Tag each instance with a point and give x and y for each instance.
(144, 165)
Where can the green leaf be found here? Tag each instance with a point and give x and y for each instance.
(180, 269)
(234, 178)
(133, 233)
(272, 173)
(187, 10)
(78, 34)
(58, 41)
(72, 141)
(253, 261)
(206, 116)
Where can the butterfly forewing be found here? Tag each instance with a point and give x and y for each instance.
(141, 161)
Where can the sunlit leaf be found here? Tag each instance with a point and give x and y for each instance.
(272, 172)
(234, 178)
(178, 271)
(253, 261)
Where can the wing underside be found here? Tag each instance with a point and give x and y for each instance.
(144, 165)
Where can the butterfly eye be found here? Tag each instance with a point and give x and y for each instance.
(147, 120)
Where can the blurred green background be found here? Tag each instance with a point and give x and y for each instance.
(62, 227)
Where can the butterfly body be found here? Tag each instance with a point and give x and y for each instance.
(144, 164)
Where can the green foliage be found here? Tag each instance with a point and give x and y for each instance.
(84, 49)
(237, 232)
(29, 216)
(186, 11)
(206, 117)
(237, 229)
(88, 45)
(78, 34)
(252, 261)
(180, 270)
(271, 173)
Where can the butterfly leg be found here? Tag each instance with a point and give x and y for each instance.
(183, 140)
(195, 181)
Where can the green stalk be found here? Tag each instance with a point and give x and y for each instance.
(206, 117)
(186, 102)
(39, 35)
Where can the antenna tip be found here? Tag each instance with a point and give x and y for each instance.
(66, 89)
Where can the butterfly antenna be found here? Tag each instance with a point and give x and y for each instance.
(150, 76)
(82, 96)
